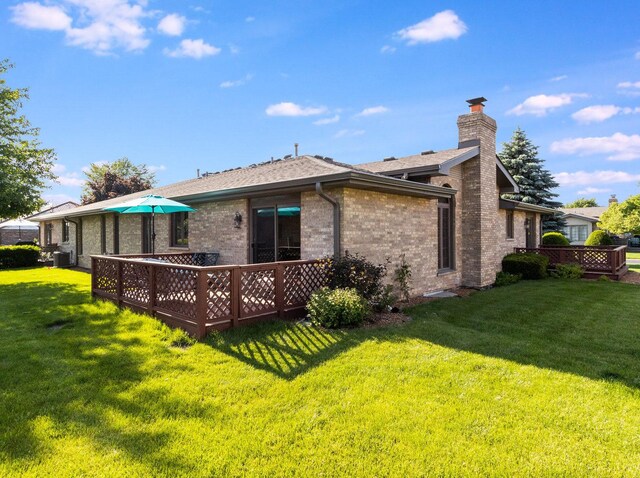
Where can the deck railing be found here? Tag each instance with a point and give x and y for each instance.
(595, 260)
(200, 299)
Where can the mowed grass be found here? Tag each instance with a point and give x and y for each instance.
(536, 379)
(633, 255)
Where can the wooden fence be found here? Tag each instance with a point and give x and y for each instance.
(200, 299)
(595, 260)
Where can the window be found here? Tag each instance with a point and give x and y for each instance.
(509, 224)
(576, 233)
(65, 230)
(180, 229)
(445, 234)
(48, 234)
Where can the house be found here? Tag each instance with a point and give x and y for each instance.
(582, 221)
(442, 210)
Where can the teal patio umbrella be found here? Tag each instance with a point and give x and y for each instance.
(150, 204)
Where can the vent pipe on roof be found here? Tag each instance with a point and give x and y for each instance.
(295, 147)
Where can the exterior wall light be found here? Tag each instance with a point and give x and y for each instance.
(237, 220)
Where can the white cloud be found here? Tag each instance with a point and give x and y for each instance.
(323, 121)
(599, 113)
(584, 178)
(349, 133)
(629, 84)
(64, 178)
(292, 109)
(618, 146)
(193, 49)
(234, 83)
(540, 105)
(558, 78)
(592, 190)
(40, 17)
(172, 25)
(637, 55)
(55, 199)
(374, 110)
(155, 169)
(250, 19)
(388, 49)
(442, 26)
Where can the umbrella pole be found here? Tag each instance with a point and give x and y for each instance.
(153, 230)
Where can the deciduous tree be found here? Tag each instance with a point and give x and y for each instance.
(24, 165)
(621, 218)
(582, 202)
(118, 178)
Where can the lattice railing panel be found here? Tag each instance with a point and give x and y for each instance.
(596, 260)
(300, 281)
(182, 259)
(135, 282)
(176, 290)
(257, 291)
(219, 294)
(105, 275)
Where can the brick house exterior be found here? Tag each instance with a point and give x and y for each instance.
(442, 210)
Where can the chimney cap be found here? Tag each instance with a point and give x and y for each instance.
(477, 101)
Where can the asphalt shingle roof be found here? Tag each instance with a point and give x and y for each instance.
(415, 161)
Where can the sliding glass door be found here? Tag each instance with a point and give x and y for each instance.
(275, 233)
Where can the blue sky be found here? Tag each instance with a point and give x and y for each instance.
(187, 85)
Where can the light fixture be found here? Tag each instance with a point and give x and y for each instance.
(237, 220)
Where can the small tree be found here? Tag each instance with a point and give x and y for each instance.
(520, 157)
(582, 202)
(621, 218)
(119, 178)
(24, 165)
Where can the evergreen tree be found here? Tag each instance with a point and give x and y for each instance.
(520, 157)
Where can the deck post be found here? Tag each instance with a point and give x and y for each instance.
(119, 282)
(279, 288)
(202, 303)
(235, 296)
(93, 277)
(152, 289)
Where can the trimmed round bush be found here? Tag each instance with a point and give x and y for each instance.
(528, 265)
(337, 308)
(598, 238)
(554, 239)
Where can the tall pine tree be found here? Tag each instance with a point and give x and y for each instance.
(520, 157)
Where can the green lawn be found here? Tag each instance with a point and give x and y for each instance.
(633, 255)
(536, 379)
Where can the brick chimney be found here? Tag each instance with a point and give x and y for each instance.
(613, 199)
(479, 201)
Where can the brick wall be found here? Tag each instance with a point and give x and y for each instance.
(9, 236)
(480, 244)
(316, 224)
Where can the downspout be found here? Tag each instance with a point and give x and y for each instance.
(336, 217)
(68, 219)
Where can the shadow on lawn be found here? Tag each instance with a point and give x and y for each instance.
(67, 365)
(571, 326)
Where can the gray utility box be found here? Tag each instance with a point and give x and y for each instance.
(61, 259)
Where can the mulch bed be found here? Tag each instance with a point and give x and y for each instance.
(382, 319)
(631, 277)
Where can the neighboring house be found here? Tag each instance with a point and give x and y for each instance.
(441, 210)
(18, 230)
(582, 221)
(46, 236)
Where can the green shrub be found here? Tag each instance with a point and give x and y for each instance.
(354, 272)
(598, 238)
(18, 256)
(554, 239)
(529, 265)
(505, 278)
(402, 276)
(568, 271)
(385, 300)
(337, 308)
